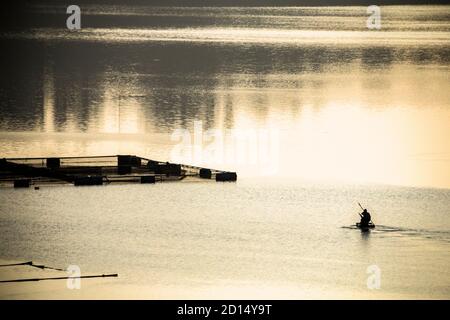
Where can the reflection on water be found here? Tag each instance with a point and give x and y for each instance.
(395, 18)
(365, 235)
(373, 106)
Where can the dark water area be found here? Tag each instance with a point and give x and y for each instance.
(174, 74)
(23, 15)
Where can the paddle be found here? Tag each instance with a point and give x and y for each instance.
(361, 208)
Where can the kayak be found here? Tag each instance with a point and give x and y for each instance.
(370, 225)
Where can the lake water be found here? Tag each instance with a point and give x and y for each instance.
(314, 111)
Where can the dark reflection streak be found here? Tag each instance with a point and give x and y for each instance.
(229, 120)
(21, 84)
(377, 58)
(365, 234)
(180, 82)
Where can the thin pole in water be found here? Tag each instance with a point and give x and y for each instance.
(61, 278)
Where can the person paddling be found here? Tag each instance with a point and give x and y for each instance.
(365, 217)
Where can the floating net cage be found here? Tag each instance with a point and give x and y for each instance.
(98, 170)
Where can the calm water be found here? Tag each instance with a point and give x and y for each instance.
(249, 239)
(338, 113)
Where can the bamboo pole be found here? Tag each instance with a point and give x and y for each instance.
(30, 263)
(61, 278)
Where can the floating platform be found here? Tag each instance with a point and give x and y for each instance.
(100, 170)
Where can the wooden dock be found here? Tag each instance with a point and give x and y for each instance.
(99, 170)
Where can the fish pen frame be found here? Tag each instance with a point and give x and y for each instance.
(100, 170)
